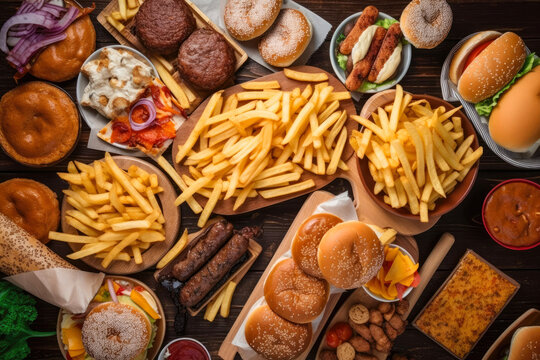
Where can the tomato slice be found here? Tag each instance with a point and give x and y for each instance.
(477, 50)
(343, 331)
(332, 339)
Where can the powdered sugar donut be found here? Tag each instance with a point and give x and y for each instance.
(426, 23)
(248, 19)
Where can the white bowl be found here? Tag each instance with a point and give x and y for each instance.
(406, 55)
(409, 289)
(93, 119)
(164, 350)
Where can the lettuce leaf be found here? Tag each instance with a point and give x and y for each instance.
(340, 38)
(485, 107)
(342, 60)
(366, 85)
(385, 23)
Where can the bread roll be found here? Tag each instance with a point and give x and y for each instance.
(248, 19)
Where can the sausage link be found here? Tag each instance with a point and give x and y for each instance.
(361, 69)
(368, 18)
(391, 41)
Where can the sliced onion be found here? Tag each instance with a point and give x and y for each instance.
(111, 291)
(149, 104)
(28, 18)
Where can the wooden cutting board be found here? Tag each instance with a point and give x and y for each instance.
(361, 296)
(228, 351)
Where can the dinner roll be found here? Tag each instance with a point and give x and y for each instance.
(248, 19)
(306, 241)
(293, 294)
(274, 337)
(350, 254)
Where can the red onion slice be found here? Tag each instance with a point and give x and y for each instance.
(152, 114)
(111, 291)
(29, 18)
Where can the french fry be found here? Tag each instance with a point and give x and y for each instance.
(216, 305)
(302, 76)
(286, 190)
(227, 299)
(119, 247)
(210, 204)
(260, 85)
(96, 247)
(174, 251)
(79, 239)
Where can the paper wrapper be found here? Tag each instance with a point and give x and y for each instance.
(340, 206)
(40, 271)
(320, 29)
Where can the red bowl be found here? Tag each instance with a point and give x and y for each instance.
(484, 217)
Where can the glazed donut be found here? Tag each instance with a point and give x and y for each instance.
(426, 23)
(287, 39)
(115, 331)
(31, 205)
(248, 19)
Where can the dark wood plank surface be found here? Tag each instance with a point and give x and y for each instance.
(464, 222)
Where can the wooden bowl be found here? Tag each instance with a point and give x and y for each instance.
(443, 205)
(157, 250)
(160, 323)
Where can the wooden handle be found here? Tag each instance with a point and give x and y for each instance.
(430, 266)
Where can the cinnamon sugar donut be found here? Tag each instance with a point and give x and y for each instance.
(426, 23)
(287, 39)
(248, 19)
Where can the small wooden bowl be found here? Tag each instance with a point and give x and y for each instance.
(157, 250)
(461, 190)
(160, 323)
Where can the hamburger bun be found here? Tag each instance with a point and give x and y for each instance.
(116, 331)
(306, 241)
(524, 344)
(31, 205)
(293, 294)
(248, 19)
(350, 254)
(274, 337)
(287, 39)
(515, 122)
(460, 57)
(493, 68)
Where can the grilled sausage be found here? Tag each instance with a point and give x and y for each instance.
(391, 41)
(362, 330)
(203, 281)
(211, 241)
(362, 68)
(368, 18)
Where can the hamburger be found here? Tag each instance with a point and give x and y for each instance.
(119, 324)
(525, 344)
(493, 71)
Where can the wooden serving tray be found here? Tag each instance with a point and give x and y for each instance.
(160, 323)
(157, 250)
(361, 296)
(254, 250)
(128, 37)
(228, 351)
(530, 318)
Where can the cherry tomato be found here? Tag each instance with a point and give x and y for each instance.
(332, 339)
(343, 331)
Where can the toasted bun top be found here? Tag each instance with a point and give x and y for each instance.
(525, 343)
(274, 337)
(116, 331)
(460, 57)
(515, 122)
(350, 254)
(293, 294)
(248, 19)
(306, 241)
(492, 68)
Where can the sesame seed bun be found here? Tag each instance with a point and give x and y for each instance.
(293, 294)
(492, 68)
(350, 254)
(515, 122)
(274, 337)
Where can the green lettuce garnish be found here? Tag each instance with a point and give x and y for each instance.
(366, 85)
(340, 38)
(342, 60)
(385, 23)
(485, 107)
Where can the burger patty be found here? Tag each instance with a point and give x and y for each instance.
(162, 25)
(206, 60)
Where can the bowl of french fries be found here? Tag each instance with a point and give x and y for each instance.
(418, 155)
(118, 214)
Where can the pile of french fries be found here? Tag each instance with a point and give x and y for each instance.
(116, 212)
(221, 303)
(416, 154)
(260, 141)
(127, 9)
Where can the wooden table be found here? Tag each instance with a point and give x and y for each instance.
(464, 222)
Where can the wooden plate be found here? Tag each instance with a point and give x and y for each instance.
(160, 323)
(530, 318)
(225, 207)
(361, 296)
(443, 205)
(228, 351)
(157, 250)
(254, 250)
(128, 37)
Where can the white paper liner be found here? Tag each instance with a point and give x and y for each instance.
(341, 206)
(320, 29)
(66, 288)
(450, 93)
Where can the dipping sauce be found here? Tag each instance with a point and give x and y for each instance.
(512, 214)
(185, 349)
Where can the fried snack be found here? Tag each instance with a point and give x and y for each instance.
(416, 154)
(359, 314)
(115, 212)
(260, 141)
